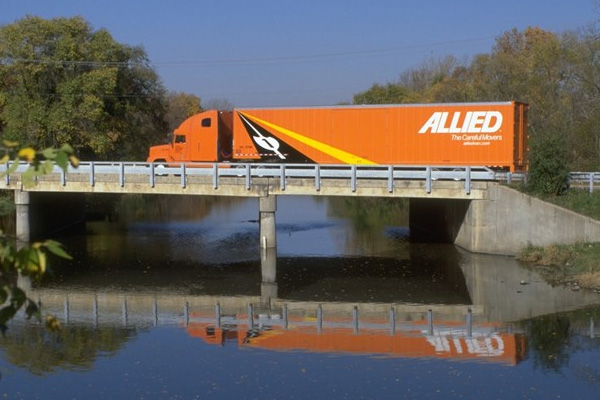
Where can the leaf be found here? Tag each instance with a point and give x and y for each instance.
(42, 262)
(74, 161)
(4, 159)
(56, 249)
(62, 160)
(27, 154)
(10, 143)
(47, 167)
(66, 148)
(49, 153)
(13, 167)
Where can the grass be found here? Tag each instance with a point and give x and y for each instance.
(577, 265)
(578, 200)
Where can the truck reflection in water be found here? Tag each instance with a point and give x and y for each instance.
(418, 336)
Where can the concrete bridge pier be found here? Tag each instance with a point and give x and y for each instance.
(268, 265)
(23, 230)
(267, 207)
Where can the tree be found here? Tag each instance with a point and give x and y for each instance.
(548, 173)
(62, 82)
(180, 107)
(392, 93)
(218, 104)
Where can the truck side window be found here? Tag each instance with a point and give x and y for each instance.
(180, 139)
(206, 123)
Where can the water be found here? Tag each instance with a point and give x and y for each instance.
(167, 301)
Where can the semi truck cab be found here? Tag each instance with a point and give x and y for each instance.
(206, 137)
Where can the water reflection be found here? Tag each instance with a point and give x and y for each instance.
(338, 285)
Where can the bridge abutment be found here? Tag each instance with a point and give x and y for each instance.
(504, 223)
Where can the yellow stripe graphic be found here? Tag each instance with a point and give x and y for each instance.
(341, 155)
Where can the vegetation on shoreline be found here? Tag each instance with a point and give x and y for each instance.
(573, 265)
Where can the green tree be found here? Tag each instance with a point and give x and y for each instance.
(548, 173)
(63, 82)
(180, 107)
(392, 93)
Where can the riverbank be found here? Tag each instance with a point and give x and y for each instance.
(575, 266)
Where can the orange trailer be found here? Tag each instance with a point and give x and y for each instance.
(461, 134)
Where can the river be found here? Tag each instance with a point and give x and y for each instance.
(172, 298)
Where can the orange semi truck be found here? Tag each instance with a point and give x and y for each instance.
(461, 134)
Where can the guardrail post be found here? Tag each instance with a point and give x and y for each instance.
(152, 175)
(248, 180)
(186, 313)
(317, 177)
(468, 180)
(215, 176)
(95, 310)
(218, 315)
(508, 177)
(430, 322)
(591, 182)
(92, 174)
(390, 178)
(353, 174)
(428, 179)
(282, 176)
(63, 177)
(469, 323)
(125, 313)
(286, 317)
(392, 321)
(7, 176)
(250, 316)
(319, 319)
(155, 311)
(66, 308)
(183, 176)
(122, 173)
(355, 320)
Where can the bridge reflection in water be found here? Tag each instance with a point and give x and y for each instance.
(286, 319)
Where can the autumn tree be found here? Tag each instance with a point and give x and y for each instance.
(63, 82)
(180, 107)
(392, 93)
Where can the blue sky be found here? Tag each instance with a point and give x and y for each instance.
(309, 52)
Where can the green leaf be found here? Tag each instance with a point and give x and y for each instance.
(62, 160)
(66, 148)
(56, 249)
(50, 153)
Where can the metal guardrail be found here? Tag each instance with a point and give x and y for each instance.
(121, 171)
(582, 179)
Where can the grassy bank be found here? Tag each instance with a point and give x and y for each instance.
(578, 200)
(577, 266)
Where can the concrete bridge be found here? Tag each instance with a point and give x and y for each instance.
(467, 206)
